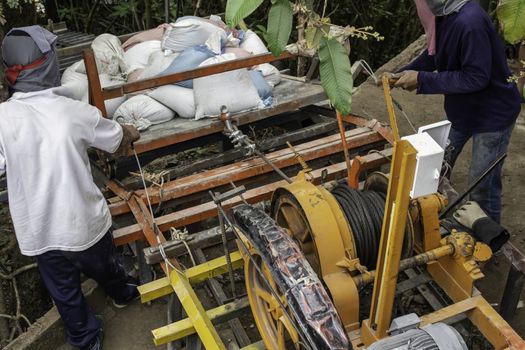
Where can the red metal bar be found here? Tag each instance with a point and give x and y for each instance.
(253, 167)
(207, 210)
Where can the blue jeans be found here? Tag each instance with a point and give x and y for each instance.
(486, 148)
(60, 272)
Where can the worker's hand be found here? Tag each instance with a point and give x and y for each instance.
(391, 77)
(469, 213)
(407, 80)
(130, 134)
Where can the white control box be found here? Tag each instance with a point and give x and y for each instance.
(439, 132)
(428, 168)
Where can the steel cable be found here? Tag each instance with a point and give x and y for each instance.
(364, 211)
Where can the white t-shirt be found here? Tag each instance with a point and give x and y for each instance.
(54, 203)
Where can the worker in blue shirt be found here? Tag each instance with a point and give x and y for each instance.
(466, 62)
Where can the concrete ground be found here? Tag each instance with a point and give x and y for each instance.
(130, 328)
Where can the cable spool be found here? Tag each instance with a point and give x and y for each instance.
(364, 211)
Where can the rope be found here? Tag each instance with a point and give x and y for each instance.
(152, 223)
(182, 236)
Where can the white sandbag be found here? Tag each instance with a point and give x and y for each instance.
(138, 55)
(253, 44)
(270, 73)
(73, 84)
(188, 32)
(234, 89)
(114, 103)
(141, 107)
(158, 62)
(177, 98)
(109, 56)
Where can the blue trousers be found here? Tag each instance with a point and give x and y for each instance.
(61, 271)
(486, 148)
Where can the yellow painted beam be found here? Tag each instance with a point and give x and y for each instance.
(183, 328)
(155, 289)
(196, 313)
(196, 274)
(213, 268)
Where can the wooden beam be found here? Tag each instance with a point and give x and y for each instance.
(245, 169)
(207, 210)
(114, 92)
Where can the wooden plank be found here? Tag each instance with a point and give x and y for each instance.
(249, 168)
(321, 128)
(77, 49)
(194, 214)
(212, 237)
(219, 295)
(140, 85)
(144, 221)
(200, 212)
(200, 240)
(288, 96)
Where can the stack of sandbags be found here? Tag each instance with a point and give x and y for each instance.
(75, 86)
(189, 43)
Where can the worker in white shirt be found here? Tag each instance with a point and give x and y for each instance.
(59, 214)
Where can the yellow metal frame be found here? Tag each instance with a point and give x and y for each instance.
(390, 107)
(454, 273)
(196, 313)
(163, 286)
(185, 327)
(391, 244)
(334, 244)
(199, 320)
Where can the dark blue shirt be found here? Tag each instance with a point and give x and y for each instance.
(471, 70)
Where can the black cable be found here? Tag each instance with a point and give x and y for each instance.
(364, 211)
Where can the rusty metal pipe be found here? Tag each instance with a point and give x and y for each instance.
(418, 260)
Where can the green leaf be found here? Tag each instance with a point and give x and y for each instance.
(511, 14)
(280, 20)
(336, 74)
(314, 33)
(237, 10)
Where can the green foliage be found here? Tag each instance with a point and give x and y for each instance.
(335, 69)
(511, 14)
(336, 74)
(314, 34)
(237, 10)
(280, 20)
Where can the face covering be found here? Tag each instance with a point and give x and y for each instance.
(428, 20)
(445, 7)
(30, 57)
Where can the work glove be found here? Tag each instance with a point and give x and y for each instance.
(407, 80)
(130, 134)
(485, 229)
